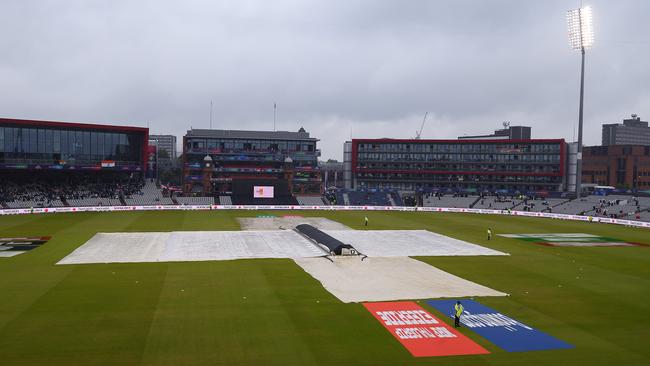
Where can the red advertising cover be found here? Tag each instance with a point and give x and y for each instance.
(421, 333)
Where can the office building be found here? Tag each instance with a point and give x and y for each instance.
(632, 131)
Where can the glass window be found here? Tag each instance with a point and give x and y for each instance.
(115, 140)
(107, 145)
(49, 139)
(65, 145)
(113, 145)
(33, 141)
(9, 139)
(67, 142)
(93, 144)
(56, 141)
(78, 143)
(136, 146)
(86, 143)
(110, 145)
(100, 145)
(41, 140)
(119, 146)
(15, 140)
(2, 139)
(24, 140)
(119, 151)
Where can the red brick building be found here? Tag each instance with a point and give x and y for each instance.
(621, 166)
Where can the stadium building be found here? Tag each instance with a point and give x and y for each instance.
(525, 165)
(54, 164)
(27, 145)
(234, 165)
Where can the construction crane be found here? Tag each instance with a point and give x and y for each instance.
(419, 133)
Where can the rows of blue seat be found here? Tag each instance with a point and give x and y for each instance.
(369, 198)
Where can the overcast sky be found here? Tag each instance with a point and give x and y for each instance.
(339, 68)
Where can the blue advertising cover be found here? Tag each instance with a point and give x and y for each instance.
(505, 332)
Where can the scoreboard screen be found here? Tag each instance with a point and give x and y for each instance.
(263, 192)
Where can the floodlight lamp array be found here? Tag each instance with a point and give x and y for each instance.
(581, 33)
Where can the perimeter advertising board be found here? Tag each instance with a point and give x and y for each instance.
(22, 211)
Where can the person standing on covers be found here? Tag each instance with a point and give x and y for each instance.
(458, 311)
(365, 221)
(489, 233)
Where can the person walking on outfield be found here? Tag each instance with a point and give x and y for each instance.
(365, 221)
(458, 311)
(489, 232)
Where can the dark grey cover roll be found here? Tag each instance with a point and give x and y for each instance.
(334, 245)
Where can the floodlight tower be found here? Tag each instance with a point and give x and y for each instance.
(581, 37)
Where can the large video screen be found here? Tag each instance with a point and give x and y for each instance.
(263, 192)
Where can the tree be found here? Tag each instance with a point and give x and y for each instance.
(163, 154)
(171, 176)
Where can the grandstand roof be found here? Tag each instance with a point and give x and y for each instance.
(29, 122)
(242, 134)
(460, 141)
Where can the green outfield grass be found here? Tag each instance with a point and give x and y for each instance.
(270, 312)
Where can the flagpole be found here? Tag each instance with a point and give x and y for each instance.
(275, 107)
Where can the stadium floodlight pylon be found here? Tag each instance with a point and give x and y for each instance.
(581, 37)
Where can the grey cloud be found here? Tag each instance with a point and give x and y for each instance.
(360, 68)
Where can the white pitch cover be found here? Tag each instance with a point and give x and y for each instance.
(351, 279)
(181, 246)
(401, 243)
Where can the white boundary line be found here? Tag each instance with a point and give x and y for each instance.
(22, 211)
